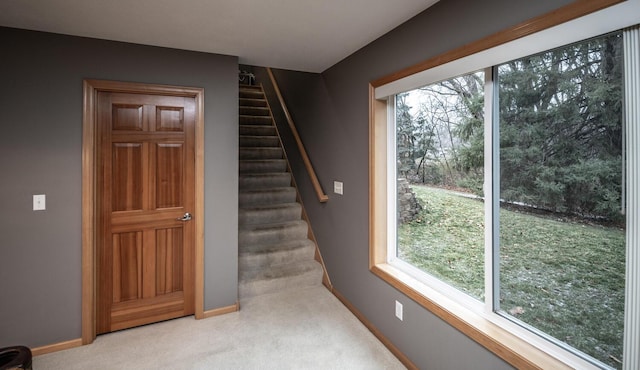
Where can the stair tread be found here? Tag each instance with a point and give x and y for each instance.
(257, 148)
(253, 107)
(275, 195)
(265, 180)
(265, 207)
(270, 147)
(257, 126)
(259, 136)
(255, 141)
(244, 102)
(265, 174)
(263, 160)
(268, 213)
(272, 226)
(261, 152)
(283, 189)
(266, 161)
(257, 256)
(257, 130)
(275, 247)
(266, 166)
(267, 146)
(279, 271)
(248, 120)
(248, 110)
(253, 116)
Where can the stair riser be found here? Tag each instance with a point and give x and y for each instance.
(254, 111)
(266, 286)
(263, 198)
(261, 153)
(250, 94)
(255, 130)
(249, 261)
(272, 235)
(255, 120)
(281, 213)
(248, 182)
(259, 141)
(252, 102)
(263, 166)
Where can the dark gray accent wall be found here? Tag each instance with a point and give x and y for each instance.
(332, 116)
(41, 78)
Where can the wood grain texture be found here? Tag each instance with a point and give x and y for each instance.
(169, 175)
(169, 260)
(566, 13)
(377, 179)
(127, 117)
(169, 119)
(144, 176)
(55, 347)
(88, 212)
(221, 311)
(167, 123)
(199, 206)
(127, 176)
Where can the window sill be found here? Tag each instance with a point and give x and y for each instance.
(522, 350)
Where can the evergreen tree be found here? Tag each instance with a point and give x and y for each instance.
(561, 128)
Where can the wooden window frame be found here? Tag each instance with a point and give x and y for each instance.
(504, 340)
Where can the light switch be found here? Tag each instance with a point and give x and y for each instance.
(399, 310)
(337, 187)
(39, 202)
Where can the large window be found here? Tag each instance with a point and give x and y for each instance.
(508, 195)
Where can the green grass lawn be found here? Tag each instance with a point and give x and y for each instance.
(564, 278)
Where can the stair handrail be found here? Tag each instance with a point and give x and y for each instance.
(322, 197)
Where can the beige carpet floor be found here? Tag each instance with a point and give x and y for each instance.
(308, 329)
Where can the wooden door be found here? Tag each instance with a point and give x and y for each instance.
(145, 186)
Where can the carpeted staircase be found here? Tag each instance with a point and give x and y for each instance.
(275, 252)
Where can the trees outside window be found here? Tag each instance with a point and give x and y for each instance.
(559, 171)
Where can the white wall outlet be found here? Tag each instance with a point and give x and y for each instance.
(337, 187)
(39, 202)
(399, 310)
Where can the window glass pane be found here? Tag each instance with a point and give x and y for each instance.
(439, 163)
(562, 238)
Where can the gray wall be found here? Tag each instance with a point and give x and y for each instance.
(331, 112)
(40, 153)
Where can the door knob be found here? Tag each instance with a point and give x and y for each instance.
(186, 217)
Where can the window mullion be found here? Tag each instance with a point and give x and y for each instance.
(491, 192)
(631, 351)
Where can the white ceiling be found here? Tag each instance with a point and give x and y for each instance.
(304, 35)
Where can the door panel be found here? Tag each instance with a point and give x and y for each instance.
(127, 176)
(169, 260)
(127, 255)
(169, 162)
(145, 266)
